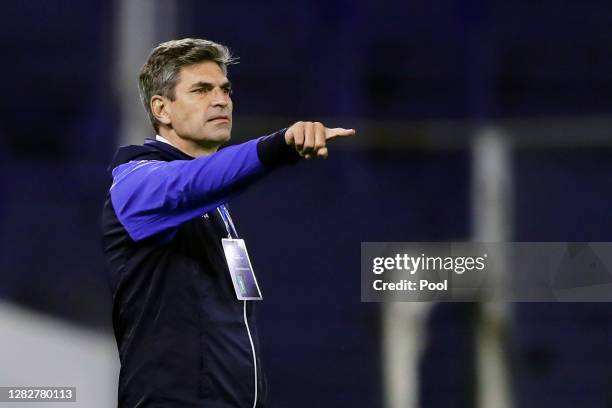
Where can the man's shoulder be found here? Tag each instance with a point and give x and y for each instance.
(150, 150)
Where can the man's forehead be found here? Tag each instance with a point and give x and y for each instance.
(206, 71)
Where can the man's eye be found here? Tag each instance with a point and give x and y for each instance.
(228, 91)
(201, 90)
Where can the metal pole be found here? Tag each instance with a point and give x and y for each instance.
(139, 26)
(404, 330)
(492, 205)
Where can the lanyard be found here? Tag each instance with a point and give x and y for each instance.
(227, 220)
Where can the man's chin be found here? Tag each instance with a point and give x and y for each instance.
(220, 135)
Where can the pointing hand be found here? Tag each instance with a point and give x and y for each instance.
(310, 138)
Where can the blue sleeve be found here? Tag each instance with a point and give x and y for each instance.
(150, 197)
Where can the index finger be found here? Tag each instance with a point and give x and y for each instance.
(338, 132)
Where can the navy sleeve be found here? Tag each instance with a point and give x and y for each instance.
(273, 150)
(151, 196)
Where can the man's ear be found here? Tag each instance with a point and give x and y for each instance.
(160, 109)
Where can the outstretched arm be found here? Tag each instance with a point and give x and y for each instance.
(151, 197)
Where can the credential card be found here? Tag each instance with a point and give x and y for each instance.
(241, 270)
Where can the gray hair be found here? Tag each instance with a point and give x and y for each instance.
(160, 74)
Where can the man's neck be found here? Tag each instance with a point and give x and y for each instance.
(186, 146)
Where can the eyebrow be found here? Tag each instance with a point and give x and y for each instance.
(204, 84)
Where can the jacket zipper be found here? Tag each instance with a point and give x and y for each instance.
(246, 323)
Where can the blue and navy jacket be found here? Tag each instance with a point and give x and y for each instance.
(184, 339)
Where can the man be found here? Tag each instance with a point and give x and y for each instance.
(184, 338)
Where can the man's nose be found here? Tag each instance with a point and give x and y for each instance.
(220, 97)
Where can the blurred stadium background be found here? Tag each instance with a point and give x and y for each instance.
(484, 120)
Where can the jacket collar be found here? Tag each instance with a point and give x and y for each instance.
(167, 148)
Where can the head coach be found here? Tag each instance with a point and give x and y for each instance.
(185, 332)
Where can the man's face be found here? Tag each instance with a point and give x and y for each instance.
(202, 108)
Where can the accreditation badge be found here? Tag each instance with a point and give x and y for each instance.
(241, 271)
